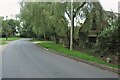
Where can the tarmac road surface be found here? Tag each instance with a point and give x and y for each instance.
(24, 59)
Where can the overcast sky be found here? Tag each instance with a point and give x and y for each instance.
(11, 7)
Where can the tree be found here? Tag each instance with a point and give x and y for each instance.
(9, 27)
(45, 18)
(108, 38)
(76, 9)
(13, 25)
(6, 30)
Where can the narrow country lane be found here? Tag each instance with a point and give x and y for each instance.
(24, 59)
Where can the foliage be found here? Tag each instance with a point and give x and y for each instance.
(108, 38)
(49, 20)
(44, 18)
(9, 27)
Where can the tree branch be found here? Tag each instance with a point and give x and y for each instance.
(63, 17)
(78, 8)
(68, 15)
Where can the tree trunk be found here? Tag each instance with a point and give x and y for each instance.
(56, 38)
(73, 31)
(6, 36)
(44, 37)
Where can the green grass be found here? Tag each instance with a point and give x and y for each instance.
(4, 41)
(62, 50)
(9, 39)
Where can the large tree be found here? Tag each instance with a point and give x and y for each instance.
(45, 18)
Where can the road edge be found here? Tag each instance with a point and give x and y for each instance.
(104, 67)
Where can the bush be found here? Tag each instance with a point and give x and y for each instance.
(108, 40)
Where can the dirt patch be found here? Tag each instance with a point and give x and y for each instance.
(113, 58)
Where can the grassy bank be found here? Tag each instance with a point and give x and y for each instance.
(9, 39)
(62, 50)
(4, 41)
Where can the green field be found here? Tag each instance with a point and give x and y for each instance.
(4, 41)
(59, 48)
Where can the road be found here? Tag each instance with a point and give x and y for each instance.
(24, 59)
(0, 62)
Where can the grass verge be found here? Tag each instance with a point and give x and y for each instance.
(62, 50)
(4, 41)
(9, 39)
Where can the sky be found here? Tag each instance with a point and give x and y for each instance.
(11, 7)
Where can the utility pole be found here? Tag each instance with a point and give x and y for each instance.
(71, 29)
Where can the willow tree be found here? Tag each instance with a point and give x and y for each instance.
(45, 18)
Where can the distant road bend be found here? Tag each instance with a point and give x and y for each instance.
(24, 59)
